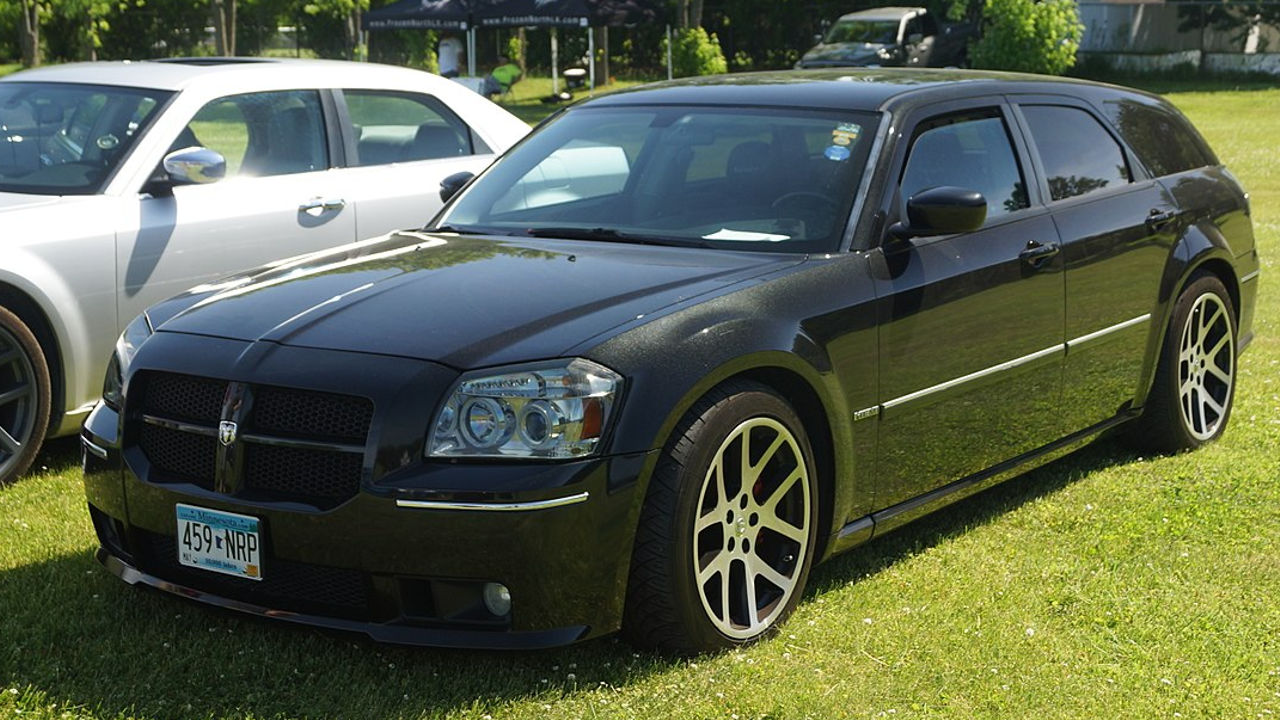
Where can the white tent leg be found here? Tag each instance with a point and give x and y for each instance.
(669, 72)
(555, 64)
(471, 51)
(591, 62)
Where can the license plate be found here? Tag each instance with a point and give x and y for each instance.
(219, 541)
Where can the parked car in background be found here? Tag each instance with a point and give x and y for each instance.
(673, 349)
(123, 183)
(891, 37)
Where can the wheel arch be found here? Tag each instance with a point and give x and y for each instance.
(33, 315)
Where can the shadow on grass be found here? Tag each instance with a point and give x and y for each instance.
(83, 639)
(980, 509)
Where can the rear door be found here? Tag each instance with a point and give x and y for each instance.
(400, 145)
(970, 324)
(1117, 228)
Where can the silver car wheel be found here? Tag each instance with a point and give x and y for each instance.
(1206, 359)
(751, 533)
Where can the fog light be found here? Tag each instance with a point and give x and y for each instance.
(497, 599)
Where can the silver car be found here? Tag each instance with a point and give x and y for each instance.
(125, 183)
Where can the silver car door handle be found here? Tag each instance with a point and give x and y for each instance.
(317, 206)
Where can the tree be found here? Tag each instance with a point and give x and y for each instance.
(1028, 36)
(30, 33)
(224, 26)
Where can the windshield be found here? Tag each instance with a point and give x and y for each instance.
(63, 139)
(878, 32)
(778, 180)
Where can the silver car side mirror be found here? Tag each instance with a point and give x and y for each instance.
(195, 166)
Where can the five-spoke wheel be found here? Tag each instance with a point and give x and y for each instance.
(1191, 395)
(728, 528)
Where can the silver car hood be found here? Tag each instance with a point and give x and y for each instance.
(16, 201)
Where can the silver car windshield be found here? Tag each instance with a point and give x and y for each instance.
(66, 139)
(770, 179)
(876, 32)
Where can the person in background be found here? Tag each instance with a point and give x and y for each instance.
(502, 77)
(449, 54)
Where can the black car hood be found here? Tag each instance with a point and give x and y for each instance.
(843, 54)
(458, 300)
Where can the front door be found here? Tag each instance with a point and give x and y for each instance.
(280, 198)
(971, 325)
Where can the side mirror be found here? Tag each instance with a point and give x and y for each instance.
(195, 166)
(452, 184)
(942, 210)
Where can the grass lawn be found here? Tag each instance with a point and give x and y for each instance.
(1105, 585)
(525, 101)
(6, 68)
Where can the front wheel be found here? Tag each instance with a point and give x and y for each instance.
(1191, 396)
(728, 529)
(24, 397)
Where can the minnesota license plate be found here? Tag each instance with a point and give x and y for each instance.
(219, 541)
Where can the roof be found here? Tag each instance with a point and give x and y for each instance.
(180, 73)
(834, 88)
(881, 13)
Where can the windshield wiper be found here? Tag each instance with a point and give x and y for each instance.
(609, 235)
(457, 230)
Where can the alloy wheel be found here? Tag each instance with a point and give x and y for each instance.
(1206, 364)
(751, 533)
(18, 405)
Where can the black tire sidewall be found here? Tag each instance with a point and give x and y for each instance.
(27, 342)
(721, 420)
(1168, 384)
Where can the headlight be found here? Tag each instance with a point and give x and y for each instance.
(126, 345)
(552, 410)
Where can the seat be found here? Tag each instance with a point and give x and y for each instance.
(294, 145)
(434, 141)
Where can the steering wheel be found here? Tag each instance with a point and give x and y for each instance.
(812, 207)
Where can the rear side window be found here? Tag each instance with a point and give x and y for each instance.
(393, 127)
(1162, 140)
(970, 151)
(1079, 157)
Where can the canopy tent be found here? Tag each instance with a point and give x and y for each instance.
(468, 14)
(420, 15)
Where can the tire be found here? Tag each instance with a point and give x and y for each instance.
(703, 531)
(24, 397)
(1191, 396)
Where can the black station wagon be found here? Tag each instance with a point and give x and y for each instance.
(674, 348)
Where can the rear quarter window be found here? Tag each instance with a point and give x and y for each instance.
(1163, 140)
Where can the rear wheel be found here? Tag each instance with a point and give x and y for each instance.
(24, 397)
(1191, 396)
(728, 530)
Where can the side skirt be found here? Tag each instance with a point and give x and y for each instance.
(878, 523)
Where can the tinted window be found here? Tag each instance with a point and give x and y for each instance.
(395, 127)
(1164, 142)
(970, 151)
(1078, 155)
(260, 134)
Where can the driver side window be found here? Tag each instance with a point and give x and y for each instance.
(262, 134)
(970, 151)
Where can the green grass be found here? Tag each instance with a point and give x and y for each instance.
(525, 100)
(6, 68)
(1105, 585)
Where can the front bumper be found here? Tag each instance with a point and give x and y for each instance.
(406, 558)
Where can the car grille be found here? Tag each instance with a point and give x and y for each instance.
(298, 445)
(285, 585)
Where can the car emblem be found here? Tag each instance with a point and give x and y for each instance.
(227, 432)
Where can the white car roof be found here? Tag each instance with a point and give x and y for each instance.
(242, 73)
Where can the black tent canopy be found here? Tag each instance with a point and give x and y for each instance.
(420, 15)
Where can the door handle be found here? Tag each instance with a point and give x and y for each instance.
(1037, 254)
(317, 206)
(1158, 218)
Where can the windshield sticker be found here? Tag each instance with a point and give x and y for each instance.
(839, 153)
(845, 134)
